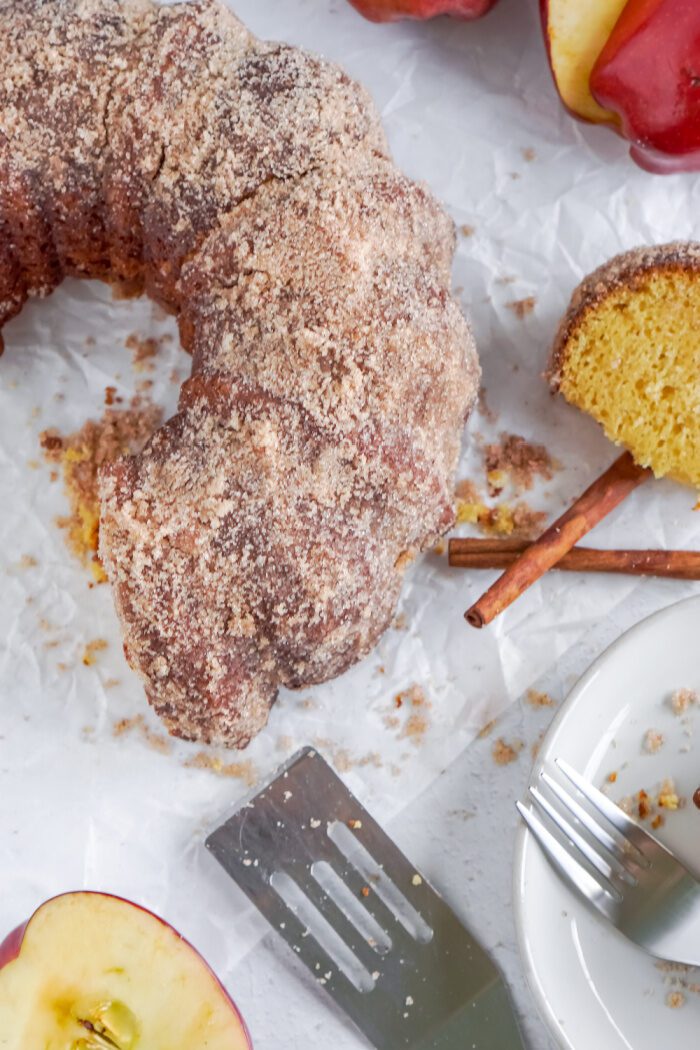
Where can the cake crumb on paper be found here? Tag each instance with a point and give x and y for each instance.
(144, 349)
(682, 699)
(522, 460)
(519, 521)
(416, 706)
(536, 745)
(504, 753)
(27, 561)
(653, 741)
(484, 408)
(522, 308)
(343, 760)
(536, 698)
(120, 431)
(97, 645)
(138, 724)
(244, 770)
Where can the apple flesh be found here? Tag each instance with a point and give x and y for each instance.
(648, 74)
(575, 33)
(94, 972)
(392, 10)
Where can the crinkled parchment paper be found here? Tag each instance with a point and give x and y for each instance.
(541, 201)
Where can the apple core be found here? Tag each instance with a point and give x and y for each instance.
(94, 972)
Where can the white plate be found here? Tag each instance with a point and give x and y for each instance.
(593, 987)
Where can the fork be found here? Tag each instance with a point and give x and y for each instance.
(617, 866)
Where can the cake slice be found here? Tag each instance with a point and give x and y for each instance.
(628, 353)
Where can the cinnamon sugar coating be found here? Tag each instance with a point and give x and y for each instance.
(260, 538)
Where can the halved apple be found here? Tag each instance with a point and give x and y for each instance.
(575, 33)
(93, 972)
(392, 10)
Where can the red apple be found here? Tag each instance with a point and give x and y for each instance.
(94, 972)
(575, 33)
(648, 74)
(392, 10)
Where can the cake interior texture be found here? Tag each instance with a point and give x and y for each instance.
(631, 359)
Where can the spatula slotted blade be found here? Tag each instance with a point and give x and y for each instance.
(366, 924)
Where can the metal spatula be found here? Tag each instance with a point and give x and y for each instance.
(366, 924)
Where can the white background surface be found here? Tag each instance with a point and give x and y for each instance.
(80, 807)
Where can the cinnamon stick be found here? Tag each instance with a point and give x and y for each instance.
(596, 502)
(499, 554)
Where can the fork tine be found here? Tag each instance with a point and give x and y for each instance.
(566, 865)
(627, 827)
(616, 851)
(606, 867)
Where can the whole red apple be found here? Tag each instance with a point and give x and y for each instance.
(648, 74)
(90, 971)
(392, 10)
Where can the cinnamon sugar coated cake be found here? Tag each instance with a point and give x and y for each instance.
(628, 353)
(260, 538)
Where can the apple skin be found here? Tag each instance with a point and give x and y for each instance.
(393, 10)
(11, 947)
(648, 74)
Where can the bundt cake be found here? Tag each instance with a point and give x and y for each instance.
(628, 353)
(261, 536)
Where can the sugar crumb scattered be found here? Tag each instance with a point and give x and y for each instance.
(653, 741)
(244, 770)
(157, 741)
(521, 460)
(97, 645)
(143, 350)
(504, 753)
(81, 454)
(682, 699)
(535, 698)
(522, 308)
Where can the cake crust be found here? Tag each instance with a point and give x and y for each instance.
(624, 271)
(260, 538)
